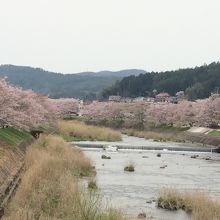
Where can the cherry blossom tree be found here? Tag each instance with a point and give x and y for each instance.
(204, 112)
(64, 107)
(20, 108)
(26, 109)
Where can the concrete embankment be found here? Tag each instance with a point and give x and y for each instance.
(11, 166)
(204, 139)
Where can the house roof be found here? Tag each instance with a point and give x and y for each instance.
(163, 94)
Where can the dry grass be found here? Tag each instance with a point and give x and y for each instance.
(76, 130)
(154, 135)
(50, 188)
(198, 204)
(89, 214)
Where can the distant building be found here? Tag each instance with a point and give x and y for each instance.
(114, 98)
(139, 99)
(162, 97)
(150, 99)
(127, 100)
(174, 100)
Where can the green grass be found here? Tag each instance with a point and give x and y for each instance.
(215, 133)
(92, 185)
(44, 127)
(1, 153)
(12, 136)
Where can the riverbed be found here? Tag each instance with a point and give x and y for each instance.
(136, 192)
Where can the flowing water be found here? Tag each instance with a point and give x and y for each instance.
(136, 192)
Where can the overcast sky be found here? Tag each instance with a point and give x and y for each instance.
(92, 35)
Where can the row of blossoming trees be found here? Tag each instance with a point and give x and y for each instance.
(200, 113)
(26, 109)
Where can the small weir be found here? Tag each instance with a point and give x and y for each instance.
(135, 143)
(132, 147)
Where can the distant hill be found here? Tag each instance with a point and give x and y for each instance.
(198, 83)
(56, 85)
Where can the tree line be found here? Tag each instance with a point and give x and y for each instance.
(197, 83)
(147, 115)
(58, 85)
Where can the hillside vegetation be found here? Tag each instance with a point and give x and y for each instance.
(197, 83)
(58, 85)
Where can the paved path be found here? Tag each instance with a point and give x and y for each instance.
(200, 130)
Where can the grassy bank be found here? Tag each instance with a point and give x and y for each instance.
(9, 139)
(215, 133)
(12, 136)
(50, 186)
(77, 131)
(197, 204)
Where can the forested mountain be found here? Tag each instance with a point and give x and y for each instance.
(197, 83)
(58, 85)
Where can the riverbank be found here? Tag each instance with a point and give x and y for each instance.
(169, 133)
(50, 187)
(176, 135)
(13, 143)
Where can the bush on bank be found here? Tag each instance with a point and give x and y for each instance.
(198, 204)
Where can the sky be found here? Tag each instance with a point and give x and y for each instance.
(92, 35)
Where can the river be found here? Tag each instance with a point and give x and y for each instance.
(135, 192)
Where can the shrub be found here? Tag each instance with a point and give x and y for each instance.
(92, 184)
(130, 167)
(106, 157)
(198, 204)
